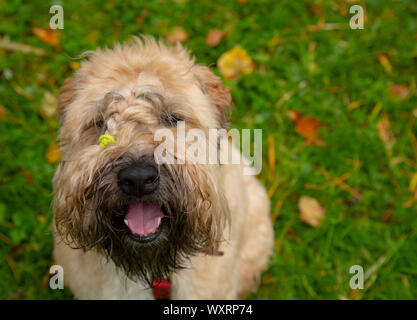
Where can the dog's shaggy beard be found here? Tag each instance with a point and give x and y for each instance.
(92, 218)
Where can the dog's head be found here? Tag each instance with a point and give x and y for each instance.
(146, 216)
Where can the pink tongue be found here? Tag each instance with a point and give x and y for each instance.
(142, 218)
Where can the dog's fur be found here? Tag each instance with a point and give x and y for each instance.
(129, 92)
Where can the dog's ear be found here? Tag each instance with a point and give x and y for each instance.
(219, 94)
(65, 97)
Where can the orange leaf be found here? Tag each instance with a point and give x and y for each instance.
(53, 154)
(306, 127)
(214, 37)
(310, 211)
(399, 91)
(177, 34)
(48, 36)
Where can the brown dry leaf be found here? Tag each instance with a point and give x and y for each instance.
(214, 37)
(48, 36)
(28, 175)
(316, 10)
(306, 127)
(3, 113)
(399, 91)
(385, 62)
(234, 63)
(177, 34)
(384, 130)
(310, 211)
(53, 154)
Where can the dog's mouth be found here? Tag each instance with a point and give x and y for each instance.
(144, 221)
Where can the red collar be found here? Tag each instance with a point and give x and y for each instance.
(162, 289)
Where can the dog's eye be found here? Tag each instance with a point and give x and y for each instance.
(171, 119)
(99, 124)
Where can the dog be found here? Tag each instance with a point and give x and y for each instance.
(123, 221)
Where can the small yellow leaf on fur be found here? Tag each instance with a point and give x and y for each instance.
(310, 211)
(234, 63)
(53, 154)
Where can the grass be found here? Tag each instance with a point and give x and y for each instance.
(319, 71)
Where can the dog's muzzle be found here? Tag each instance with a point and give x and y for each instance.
(138, 179)
(143, 219)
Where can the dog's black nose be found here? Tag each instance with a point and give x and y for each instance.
(138, 179)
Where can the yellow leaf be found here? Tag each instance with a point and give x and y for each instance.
(354, 105)
(53, 154)
(234, 63)
(375, 110)
(384, 61)
(310, 211)
(413, 182)
(48, 106)
(48, 36)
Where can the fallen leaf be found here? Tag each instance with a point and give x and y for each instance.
(48, 106)
(177, 34)
(53, 154)
(399, 91)
(27, 175)
(48, 36)
(306, 127)
(384, 130)
(214, 37)
(3, 113)
(310, 211)
(354, 105)
(234, 63)
(316, 10)
(74, 65)
(385, 62)
(413, 183)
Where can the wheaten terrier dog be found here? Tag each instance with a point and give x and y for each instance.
(124, 222)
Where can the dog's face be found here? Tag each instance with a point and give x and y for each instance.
(118, 200)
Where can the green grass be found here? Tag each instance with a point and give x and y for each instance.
(377, 231)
